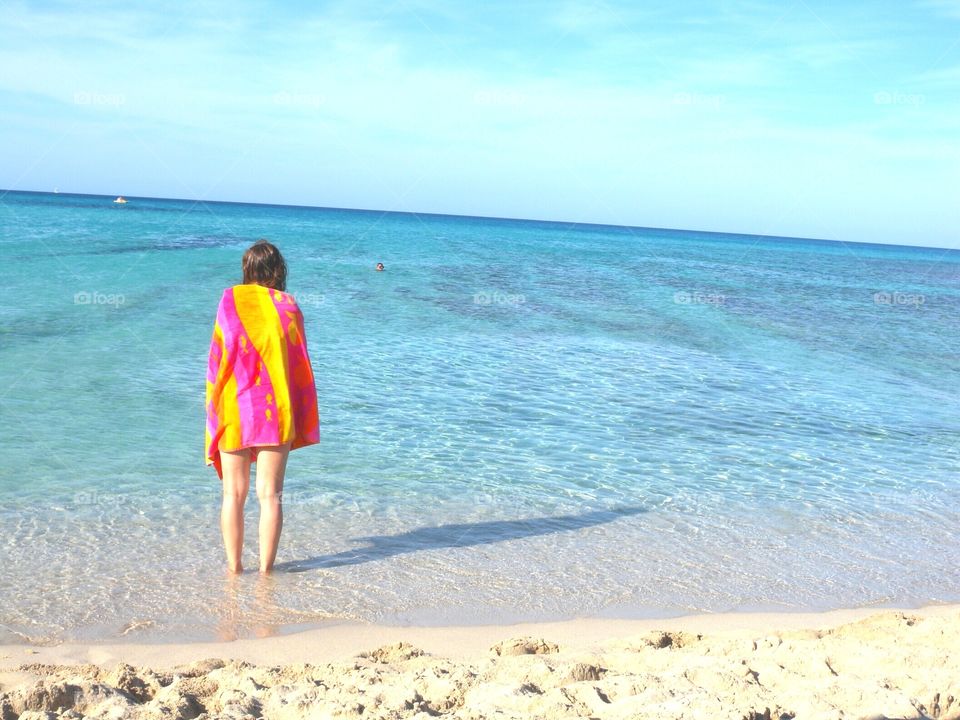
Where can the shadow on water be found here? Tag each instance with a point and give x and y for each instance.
(379, 547)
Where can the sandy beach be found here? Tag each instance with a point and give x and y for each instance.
(844, 664)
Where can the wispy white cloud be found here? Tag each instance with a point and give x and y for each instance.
(944, 8)
(441, 106)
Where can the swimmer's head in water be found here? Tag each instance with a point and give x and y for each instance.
(379, 266)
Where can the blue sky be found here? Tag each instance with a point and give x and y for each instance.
(815, 119)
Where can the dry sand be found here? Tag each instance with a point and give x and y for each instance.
(849, 664)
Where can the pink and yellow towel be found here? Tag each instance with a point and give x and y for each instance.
(260, 387)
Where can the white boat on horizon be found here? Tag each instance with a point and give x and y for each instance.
(120, 199)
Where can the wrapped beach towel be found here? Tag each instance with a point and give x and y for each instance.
(260, 387)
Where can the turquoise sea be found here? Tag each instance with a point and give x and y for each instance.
(520, 420)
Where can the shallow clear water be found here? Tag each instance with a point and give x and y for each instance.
(519, 420)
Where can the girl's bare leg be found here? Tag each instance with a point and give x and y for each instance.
(271, 465)
(236, 487)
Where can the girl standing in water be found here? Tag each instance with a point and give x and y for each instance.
(261, 398)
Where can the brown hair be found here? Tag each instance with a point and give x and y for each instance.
(264, 265)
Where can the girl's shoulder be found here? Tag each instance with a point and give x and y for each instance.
(281, 298)
(248, 290)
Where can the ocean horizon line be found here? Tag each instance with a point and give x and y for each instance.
(568, 223)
